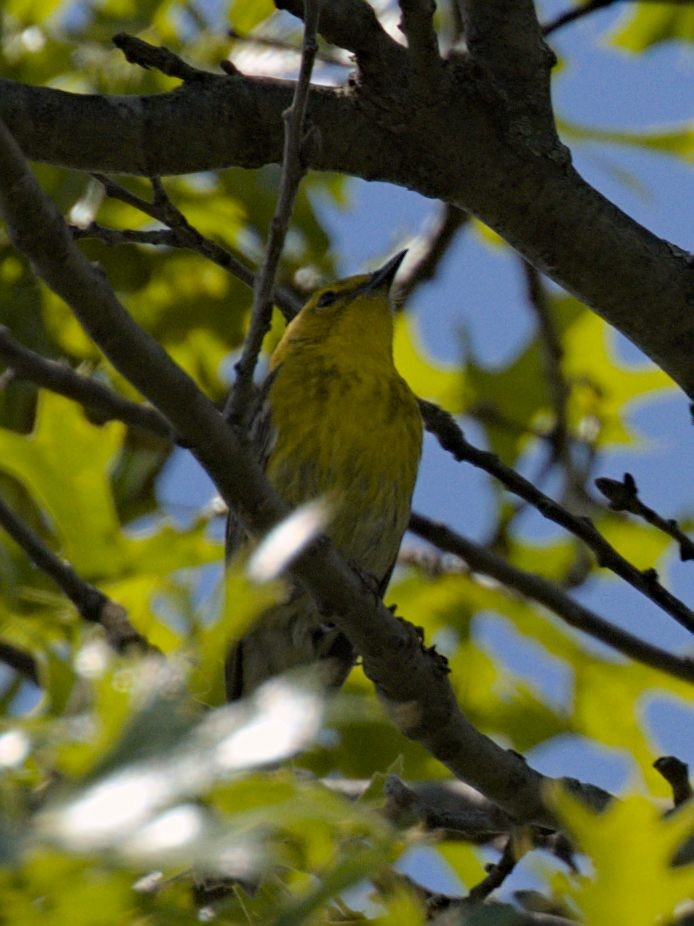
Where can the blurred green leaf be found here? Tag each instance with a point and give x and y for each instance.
(647, 844)
(677, 140)
(648, 24)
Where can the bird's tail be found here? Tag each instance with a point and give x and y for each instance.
(287, 636)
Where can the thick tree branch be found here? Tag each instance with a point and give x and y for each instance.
(411, 680)
(552, 597)
(417, 24)
(514, 177)
(451, 438)
(354, 26)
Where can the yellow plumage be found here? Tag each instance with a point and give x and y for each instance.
(337, 422)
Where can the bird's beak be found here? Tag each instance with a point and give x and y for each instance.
(385, 275)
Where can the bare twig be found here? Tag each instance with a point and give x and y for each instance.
(60, 378)
(553, 354)
(451, 438)
(576, 12)
(91, 603)
(181, 234)
(148, 56)
(624, 496)
(293, 169)
(676, 773)
(496, 875)
(551, 596)
(430, 252)
(19, 660)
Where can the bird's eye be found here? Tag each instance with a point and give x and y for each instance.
(326, 299)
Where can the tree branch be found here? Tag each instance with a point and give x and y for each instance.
(411, 680)
(552, 597)
(624, 496)
(426, 253)
(451, 438)
(523, 188)
(60, 378)
(137, 51)
(496, 875)
(181, 234)
(576, 12)
(293, 169)
(417, 24)
(404, 807)
(676, 773)
(19, 660)
(91, 603)
(354, 26)
(553, 354)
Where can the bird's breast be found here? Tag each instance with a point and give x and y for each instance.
(353, 438)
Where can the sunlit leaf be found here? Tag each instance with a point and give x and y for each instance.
(630, 837)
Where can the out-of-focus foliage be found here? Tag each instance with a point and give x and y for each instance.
(120, 776)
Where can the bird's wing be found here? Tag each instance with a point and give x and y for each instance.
(261, 437)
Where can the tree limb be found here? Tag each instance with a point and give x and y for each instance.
(507, 170)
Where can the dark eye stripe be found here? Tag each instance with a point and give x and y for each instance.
(326, 299)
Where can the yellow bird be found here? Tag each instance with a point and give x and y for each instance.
(335, 421)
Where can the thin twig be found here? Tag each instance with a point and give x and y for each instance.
(181, 234)
(60, 378)
(551, 596)
(496, 875)
(430, 252)
(624, 496)
(451, 438)
(293, 169)
(676, 773)
(91, 603)
(148, 56)
(553, 354)
(576, 12)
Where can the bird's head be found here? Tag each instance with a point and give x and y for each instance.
(355, 314)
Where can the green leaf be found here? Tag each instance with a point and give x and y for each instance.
(631, 846)
(64, 466)
(439, 382)
(652, 23)
(676, 140)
